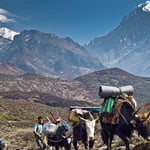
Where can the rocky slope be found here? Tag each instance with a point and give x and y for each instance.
(9, 69)
(4, 42)
(30, 82)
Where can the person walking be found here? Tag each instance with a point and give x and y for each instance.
(37, 130)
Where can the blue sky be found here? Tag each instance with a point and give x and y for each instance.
(81, 20)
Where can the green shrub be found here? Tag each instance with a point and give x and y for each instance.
(8, 117)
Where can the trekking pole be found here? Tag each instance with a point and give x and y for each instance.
(58, 114)
(60, 117)
(48, 119)
(52, 116)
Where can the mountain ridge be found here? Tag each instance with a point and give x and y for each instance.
(117, 77)
(131, 34)
(47, 54)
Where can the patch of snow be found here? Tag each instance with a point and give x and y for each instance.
(146, 7)
(7, 33)
(27, 38)
(140, 5)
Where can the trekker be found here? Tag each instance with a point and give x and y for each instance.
(2, 144)
(37, 130)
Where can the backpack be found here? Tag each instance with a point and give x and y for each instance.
(65, 125)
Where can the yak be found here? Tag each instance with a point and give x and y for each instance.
(56, 135)
(124, 128)
(141, 122)
(84, 131)
(59, 140)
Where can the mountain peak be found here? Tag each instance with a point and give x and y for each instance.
(145, 6)
(7, 33)
(127, 46)
(49, 55)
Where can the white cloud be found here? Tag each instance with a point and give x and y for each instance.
(3, 11)
(4, 16)
(5, 19)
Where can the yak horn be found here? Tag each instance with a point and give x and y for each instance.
(81, 118)
(91, 115)
(148, 115)
(136, 111)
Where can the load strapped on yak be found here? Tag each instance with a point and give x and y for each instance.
(49, 128)
(75, 113)
(114, 97)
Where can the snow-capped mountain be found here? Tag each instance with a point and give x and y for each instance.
(47, 54)
(7, 33)
(128, 44)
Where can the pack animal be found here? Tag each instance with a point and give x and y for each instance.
(124, 127)
(59, 140)
(141, 122)
(84, 131)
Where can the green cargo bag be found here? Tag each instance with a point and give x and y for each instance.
(107, 109)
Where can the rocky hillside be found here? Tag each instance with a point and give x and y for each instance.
(84, 88)
(29, 82)
(44, 98)
(49, 55)
(9, 69)
(127, 46)
(117, 77)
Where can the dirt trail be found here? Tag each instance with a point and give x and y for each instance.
(17, 137)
